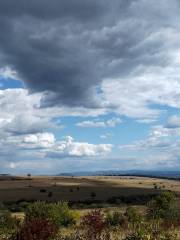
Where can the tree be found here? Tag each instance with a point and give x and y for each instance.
(29, 177)
(160, 205)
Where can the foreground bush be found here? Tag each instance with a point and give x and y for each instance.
(133, 216)
(43, 221)
(94, 224)
(36, 229)
(142, 235)
(150, 231)
(172, 215)
(57, 213)
(116, 219)
(8, 224)
(159, 206)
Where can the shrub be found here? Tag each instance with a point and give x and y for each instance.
(94, 223)
(115, 219)
(2, 207)
(50, 194)
(57, 213)
(43, 190)
(36, 229)
(148, 236)
(8, 224)
(112, 200)
(37, 210)
(150, 232)
(137, 236)
(93, 194)
(158, 207)
(22, 206)
(19, 206)
(62, 215)
(168, 236)
(77, 235)
(133, 216)
(133, 199)
(172, 215)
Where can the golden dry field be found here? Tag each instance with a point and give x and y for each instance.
(75, 189)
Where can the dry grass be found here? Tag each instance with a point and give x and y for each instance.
(79, 188)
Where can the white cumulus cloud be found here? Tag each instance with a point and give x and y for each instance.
(69, 147)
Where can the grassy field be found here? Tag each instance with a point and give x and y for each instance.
(98, 188)
(101, 208)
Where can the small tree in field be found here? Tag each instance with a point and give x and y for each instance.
(29, 177)
(93, 195)
(160, 205)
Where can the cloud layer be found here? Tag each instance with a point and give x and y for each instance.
(95, 54)
(25, 136)
(99, 124)
(88, 59)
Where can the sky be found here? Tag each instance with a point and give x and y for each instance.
(89, 85)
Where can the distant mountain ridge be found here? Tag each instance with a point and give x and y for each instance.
(148, 173)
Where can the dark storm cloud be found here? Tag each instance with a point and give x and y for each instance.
(67, 47)
(44, 9)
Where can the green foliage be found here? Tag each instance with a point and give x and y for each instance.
(61, 215)
(8, 224)
(133, 215)
(158, 207)
(172, 215)
(137, 236)
(116, 219)
(37, 210)
(164, 200)
(18, 207)
(56, 213)
(43, 220)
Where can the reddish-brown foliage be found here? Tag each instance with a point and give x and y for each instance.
(36, 229)
(94, 224)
